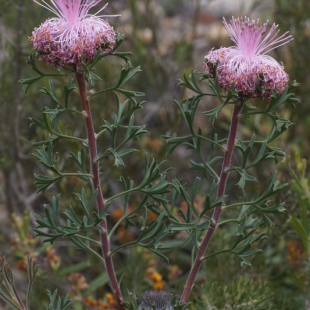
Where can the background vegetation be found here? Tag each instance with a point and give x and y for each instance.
(167, 38)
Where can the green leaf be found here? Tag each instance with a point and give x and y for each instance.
(191, 83)
(8, 290)
(28, 82)
(56, 302)
(245, 262)
(279, 99)
(244, 176)
(67, 91)
(250, 253)
(126, 75)
(36, 122)
(213, 113)
(79, 159)
(219, 201)
(118, 161)
(179, 226)
(154, 228)
(71, 215)
(45, 156)
(32, 269)
(119, 40)
(76, 229)
(43, 181)
(51, 93)
(32, 61)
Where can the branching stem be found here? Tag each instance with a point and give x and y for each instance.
(217, 211)
(92, 145)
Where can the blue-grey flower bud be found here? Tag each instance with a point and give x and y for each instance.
(155, 300)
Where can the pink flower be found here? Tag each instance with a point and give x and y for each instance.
(73, 34)
(246, 65)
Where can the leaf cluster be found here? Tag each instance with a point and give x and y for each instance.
(56, 302)
(8, 291)
(74, 224)
(253, 214)
(115, 139)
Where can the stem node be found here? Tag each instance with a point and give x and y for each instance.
(84, 113)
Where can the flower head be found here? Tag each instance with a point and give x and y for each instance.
(246, 65)
(73, 34)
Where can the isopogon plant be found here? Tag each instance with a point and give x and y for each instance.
(241, 77)
(73, 42)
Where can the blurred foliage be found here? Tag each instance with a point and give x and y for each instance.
(294, 16)
(280, 274)
(245, 293)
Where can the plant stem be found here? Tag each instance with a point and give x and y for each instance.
(92, 145)
(217, 211)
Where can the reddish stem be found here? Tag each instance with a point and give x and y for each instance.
(92, 145)
(216, 214)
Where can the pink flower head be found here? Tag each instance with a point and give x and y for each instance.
(246, 65)
(73, 34)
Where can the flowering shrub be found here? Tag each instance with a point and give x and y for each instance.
(152, 212)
